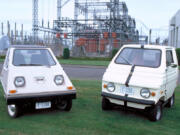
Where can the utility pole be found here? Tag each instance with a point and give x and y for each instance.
(22, 33)
(48, 32)
(58, 9)
(12, 35)
(150, 33)
(8, 29)
(15, 32)
(2, 28)
(74, 23)
(86, 12)
(35, 20)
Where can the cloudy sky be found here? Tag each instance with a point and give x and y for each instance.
(153, 14)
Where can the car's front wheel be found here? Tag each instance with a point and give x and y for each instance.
(106, 105)
(14, 110)
(65, 105)
(171, 101)
(155, 113)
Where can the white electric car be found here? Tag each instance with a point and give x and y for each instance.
(32, 76)
(141, 77)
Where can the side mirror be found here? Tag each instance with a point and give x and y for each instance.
(173, 65)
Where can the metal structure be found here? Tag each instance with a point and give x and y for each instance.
(35, 8)
(60, 5)
(58, 9)
(98, 26)
(35, 19)
(35, 22)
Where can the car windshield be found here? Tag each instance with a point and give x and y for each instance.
(140, 57)
(33, 57)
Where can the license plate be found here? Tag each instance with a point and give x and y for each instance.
(43, 105)
(126, 90)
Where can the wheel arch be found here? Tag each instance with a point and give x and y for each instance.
(162, 99)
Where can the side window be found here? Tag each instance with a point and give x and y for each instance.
(169, 58)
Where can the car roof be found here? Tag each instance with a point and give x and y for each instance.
(149, 46)
(28, 46)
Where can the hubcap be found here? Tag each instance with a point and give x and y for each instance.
(11, 110)
(62, 105)
(158, 115)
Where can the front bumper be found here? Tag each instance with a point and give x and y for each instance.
(40, 97)
(128, 99)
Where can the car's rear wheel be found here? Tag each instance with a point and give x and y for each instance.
(155, 113)
(14, 110)
(171, 101)
(106, 105)
(65, 105)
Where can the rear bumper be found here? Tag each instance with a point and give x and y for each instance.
(33, 98)
(128, 99)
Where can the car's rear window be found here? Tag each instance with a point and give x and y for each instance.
(140, 57)
(33, 57)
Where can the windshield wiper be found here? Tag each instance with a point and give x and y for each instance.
(131, 72)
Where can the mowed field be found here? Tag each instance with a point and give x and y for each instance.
(80, 61)
(87, 118)
(85, 62)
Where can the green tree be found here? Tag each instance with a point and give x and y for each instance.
(66, 53)
(178, 55)
(114, 51)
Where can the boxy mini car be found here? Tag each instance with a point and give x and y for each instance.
(32, 76)
(141, 77)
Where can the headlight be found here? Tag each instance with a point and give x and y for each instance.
(111, 87)
(19, 81)
(59, 79)
(145, 93)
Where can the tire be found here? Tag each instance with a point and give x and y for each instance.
(171, 101)
(65, 105)
(155, 113)
(14, 110)
(106, 105)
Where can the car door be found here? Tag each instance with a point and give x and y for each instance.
(171, 74)
(4, 72)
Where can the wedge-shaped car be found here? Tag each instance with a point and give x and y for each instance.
(32, 76)
(141, 77)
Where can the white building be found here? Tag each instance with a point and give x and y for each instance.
(174, 30)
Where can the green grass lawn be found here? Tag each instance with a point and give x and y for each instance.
(87, 118)
(84, 62)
